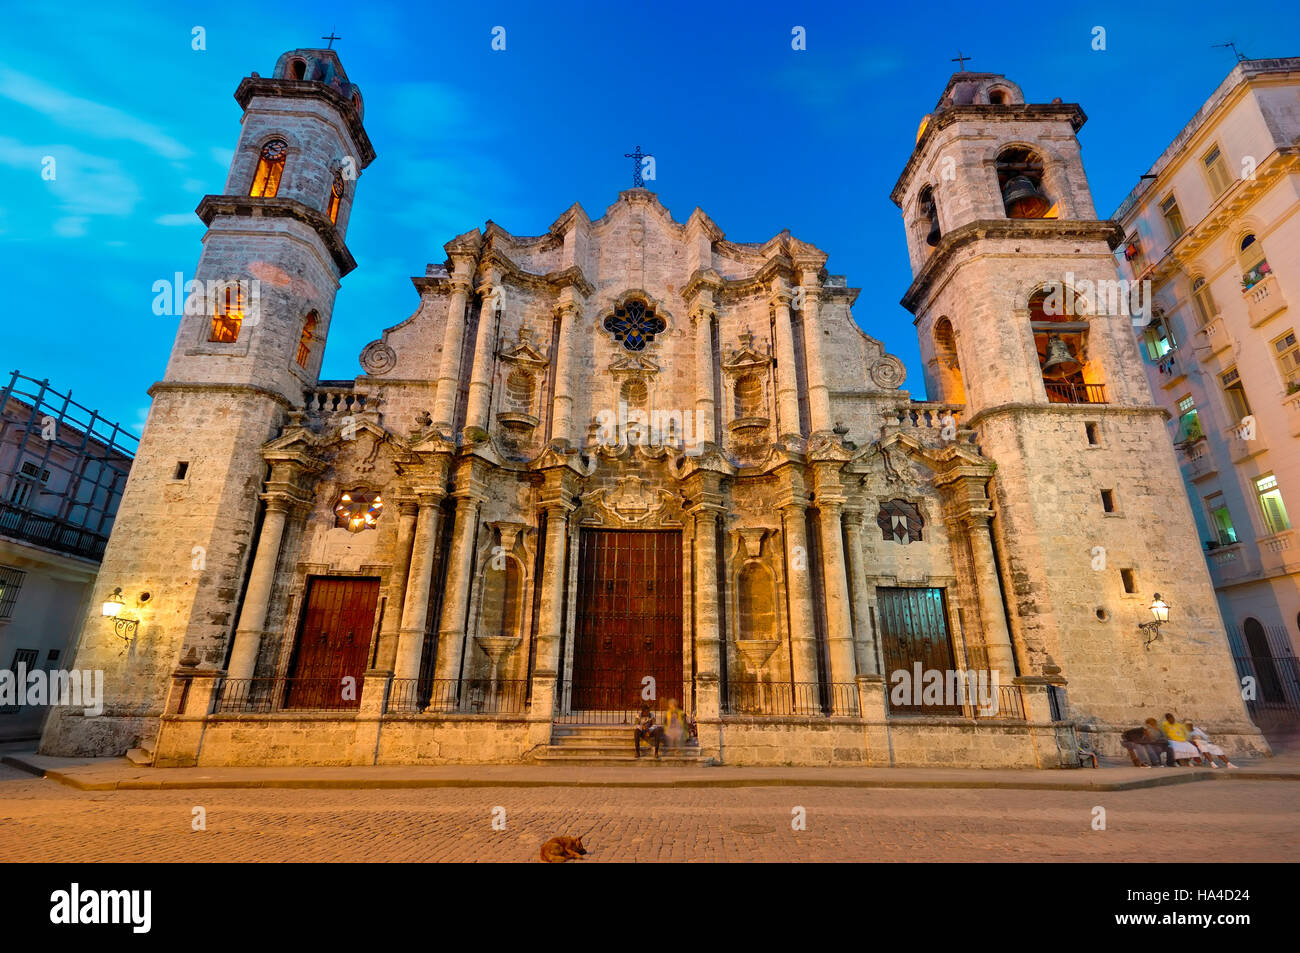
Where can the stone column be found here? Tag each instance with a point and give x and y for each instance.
(478, 404)
(444, 408)
(803, 628)
(257, 598)
(996, 637)
(865, 644)
(456, 596)
(702, 320)
(839, 620)
(562, 402)
(787, 382)
(708, 632)
(819, 401)
(550, 613)
(419, 586)
(389, 633)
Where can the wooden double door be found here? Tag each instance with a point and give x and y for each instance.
(333, 642)
(629, 620)
(914, 628)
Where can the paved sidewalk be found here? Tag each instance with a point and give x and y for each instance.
(119, 774)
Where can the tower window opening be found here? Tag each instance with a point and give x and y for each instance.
(270, 167)
(929, 216)
(1060, 340)
(336, 196)
(299, 69)
(1108, 501)
(998, 97)
(1020, 180)
(1129, 580)
(228, 315)
(1090, 431)
(305, 338)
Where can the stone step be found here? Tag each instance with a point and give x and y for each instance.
(599, 756)
(140, 756)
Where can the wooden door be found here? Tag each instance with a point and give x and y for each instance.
(629, 619)
(914, 628)
(333, 642)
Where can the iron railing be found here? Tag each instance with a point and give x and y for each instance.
(453, 696)
(20, 523)
(1007, 705)
(791, 698)
(1064, 392)
(263, 695)
(599, 704)
(1276, 685)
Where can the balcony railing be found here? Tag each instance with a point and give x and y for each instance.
(453, 696)
(1064, 392)
(49, 531)
(264, 695)
(785, 698)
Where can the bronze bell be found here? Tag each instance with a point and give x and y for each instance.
(1060, 363)
(932, 238)
(1023, 199)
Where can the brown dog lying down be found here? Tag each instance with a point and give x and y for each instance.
(560, 850)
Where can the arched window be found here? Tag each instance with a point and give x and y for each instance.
(929, 215)
(1269, 686)
(270, 166)
(1061, 341)
(1254, 266)
(336, 196)
(227, 314)
(519, 391)
(998, 97)
(298, 69)
(749, 397)
(306, 337)
(951, 386)
(1203, 301)
(1020, 180)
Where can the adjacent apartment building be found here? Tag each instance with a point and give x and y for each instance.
(62, 471)
(1215, 226)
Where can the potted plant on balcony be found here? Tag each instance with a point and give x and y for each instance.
(1254, 276)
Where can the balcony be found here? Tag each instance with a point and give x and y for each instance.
(1169, 371)
(1217, 338)
(1278, 553)
(44, 530)
(1243, 443)
(1292, 404)
(1063, 392)
(1263, 300)
(1226, 563)
(1198, 461)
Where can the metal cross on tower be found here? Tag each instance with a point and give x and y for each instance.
(332, 38)
(960, 61)
(636, 157)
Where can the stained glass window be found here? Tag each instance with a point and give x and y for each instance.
(634, 325)
(900, 521)
(358, 510)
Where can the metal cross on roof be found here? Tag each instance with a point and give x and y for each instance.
(636, 157)
(332, 38)
(960, 61)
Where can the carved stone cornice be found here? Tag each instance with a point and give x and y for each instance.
(937, 265)
(252, 86)
(251, 207)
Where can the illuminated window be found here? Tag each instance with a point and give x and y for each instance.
(1173, 217)
(270, 166)
(358, 510)
(1216, 171)
(228, 314)
(1020, 179)
(1189, 423)
(1270, 503)
(306, 337)
(336, 195)
(1203, 302)
(1221, 519)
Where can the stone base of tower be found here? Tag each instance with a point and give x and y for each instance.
(71, 734)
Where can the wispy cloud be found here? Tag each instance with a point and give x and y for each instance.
(177, 219)
(86, 115)
(83, 185)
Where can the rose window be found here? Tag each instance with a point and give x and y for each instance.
(634, 325)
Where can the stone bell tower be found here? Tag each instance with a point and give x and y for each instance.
(1021, 317)
(248, 345)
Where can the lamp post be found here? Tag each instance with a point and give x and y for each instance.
(1160, 615)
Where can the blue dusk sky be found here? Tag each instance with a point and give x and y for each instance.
(758, 135)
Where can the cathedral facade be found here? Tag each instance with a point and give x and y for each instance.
(630, 461)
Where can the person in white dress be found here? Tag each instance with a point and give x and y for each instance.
(1208, 749)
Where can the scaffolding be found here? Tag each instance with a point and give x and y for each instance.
(63, 468)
